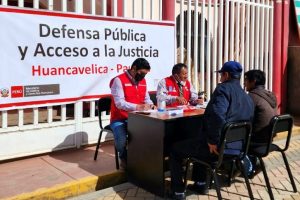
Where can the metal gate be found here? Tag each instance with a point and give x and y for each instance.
(222, 30)
(238, 30)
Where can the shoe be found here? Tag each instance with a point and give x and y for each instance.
(200, 189)
(123, 164)
(177, 196)
(254, 172)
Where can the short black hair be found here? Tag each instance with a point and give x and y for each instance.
(177, 68)
(141, 63)
(256, 75)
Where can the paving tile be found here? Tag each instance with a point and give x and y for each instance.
(23, 176)
(42, 172)
(277, 174)
(30, 174)
(132, 192)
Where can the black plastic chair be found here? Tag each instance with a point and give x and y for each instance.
(103, 105)
(153, 97)
(234, 132)
(279, 123)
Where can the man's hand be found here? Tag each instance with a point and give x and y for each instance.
(200, 101)
(143, 107)
(213, 148)
(153, 107)
(181, 100)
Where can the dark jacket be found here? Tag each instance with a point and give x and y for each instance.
(229, 102)
(265, 108)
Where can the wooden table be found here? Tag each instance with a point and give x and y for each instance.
(149, 141)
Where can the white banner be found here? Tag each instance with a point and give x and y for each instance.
(51, 57)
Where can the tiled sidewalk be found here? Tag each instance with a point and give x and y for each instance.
(73, 172)
(278, 176)
(59, 175)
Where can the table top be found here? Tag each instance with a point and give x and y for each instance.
(166, 116)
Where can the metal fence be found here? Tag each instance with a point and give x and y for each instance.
(224, 30)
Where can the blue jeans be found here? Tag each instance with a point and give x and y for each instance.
(119, 129)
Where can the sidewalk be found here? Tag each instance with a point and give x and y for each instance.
(60, 175)
(277, 173)
(70, 173)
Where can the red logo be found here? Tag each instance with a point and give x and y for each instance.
(17, 91)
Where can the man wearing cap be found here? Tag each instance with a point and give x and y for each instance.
(228, 103)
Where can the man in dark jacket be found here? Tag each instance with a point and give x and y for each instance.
(265, 108)
(265, 105)
(228, 103)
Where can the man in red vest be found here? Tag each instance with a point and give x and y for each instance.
(176, 89)
(129, 92)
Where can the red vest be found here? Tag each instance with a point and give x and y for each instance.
(173, 89)
(133, 94)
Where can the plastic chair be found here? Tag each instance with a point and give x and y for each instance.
(153, 97)
(279, 123)
(232, 133)
(103, 105)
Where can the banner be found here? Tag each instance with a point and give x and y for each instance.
(53, 57)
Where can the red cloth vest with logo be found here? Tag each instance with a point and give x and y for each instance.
(133, 94)
(173, 89)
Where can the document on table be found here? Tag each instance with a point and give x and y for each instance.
(202, 105)
(146, 112)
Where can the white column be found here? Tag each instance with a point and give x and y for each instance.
(50, 114)
(35, 116)
(196, 45)
(4, 119)
(78, 122)
(188, 51)
(79, 6)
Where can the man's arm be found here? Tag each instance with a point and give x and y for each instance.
(216, 115)
(119, 98)
(147, 98)
(194, 96)
(162, 93)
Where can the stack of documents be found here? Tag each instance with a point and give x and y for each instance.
(174, 111)
(202, 105)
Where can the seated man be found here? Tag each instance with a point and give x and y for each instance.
(265, 108)
(265, 104)
(129, 92)
(176, 89)
(229, 103)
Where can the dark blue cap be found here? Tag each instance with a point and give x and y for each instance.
(231, 67)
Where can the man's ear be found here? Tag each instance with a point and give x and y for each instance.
(176, 77)
(133, 68)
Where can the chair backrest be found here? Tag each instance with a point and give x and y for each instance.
(103, 105)
(153, 97)
(280, 123)
(235, 137)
